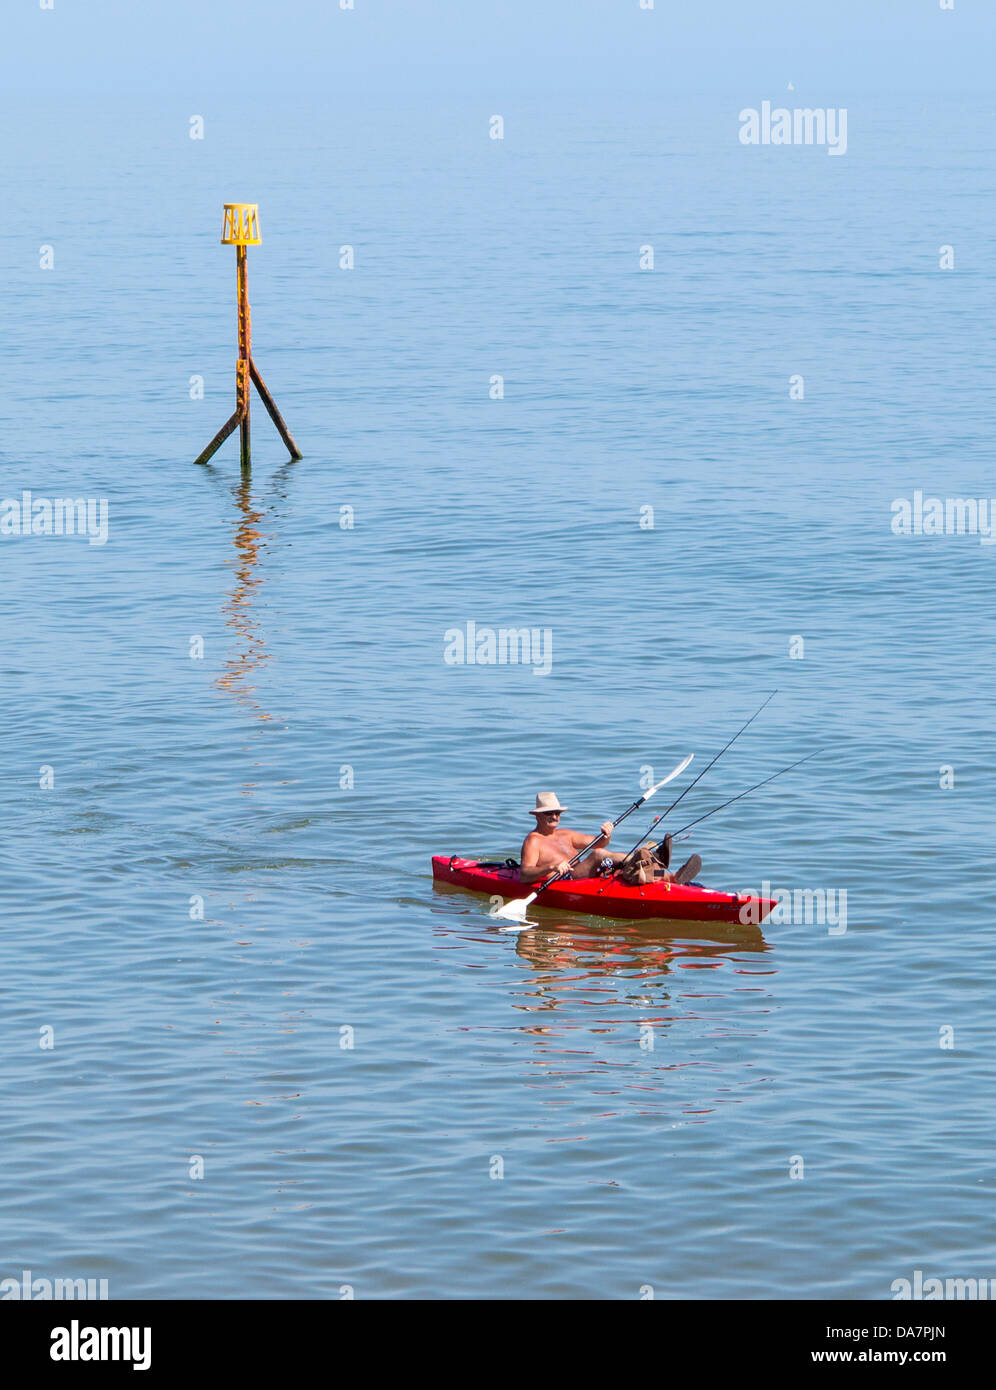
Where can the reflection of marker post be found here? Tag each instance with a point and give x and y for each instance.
(241, 230)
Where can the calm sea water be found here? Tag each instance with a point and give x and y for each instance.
(297, 778)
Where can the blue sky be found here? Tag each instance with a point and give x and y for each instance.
(495, 46)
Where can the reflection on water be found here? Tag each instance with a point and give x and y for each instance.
(571, 947)
(635, 949)
(250, 650)
(625, 966)
(652, 1013)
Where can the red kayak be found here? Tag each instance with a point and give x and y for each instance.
(606, 897)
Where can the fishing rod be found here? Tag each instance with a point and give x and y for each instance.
(515, 911)
(657, 819)
(749, 789)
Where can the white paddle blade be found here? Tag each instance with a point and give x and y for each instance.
(671, 776)
(515, 911)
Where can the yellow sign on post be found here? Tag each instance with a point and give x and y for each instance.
(241, 225)
(241, 229)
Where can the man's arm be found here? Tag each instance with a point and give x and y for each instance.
(581, 841)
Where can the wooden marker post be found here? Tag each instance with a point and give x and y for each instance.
(241, 229)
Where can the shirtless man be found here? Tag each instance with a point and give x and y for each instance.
(547, 849)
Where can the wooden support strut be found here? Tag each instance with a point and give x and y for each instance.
(275, 415)
(218, 440)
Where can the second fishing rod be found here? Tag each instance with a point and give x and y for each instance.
(667, 811)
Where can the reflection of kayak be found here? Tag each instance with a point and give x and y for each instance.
(607, 897)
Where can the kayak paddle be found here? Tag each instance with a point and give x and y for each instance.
(657, 819)
(515, 911)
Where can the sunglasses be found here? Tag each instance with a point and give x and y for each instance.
(549, 813)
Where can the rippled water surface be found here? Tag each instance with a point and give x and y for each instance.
(385, 1091)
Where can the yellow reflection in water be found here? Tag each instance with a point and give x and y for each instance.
(250, 647)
